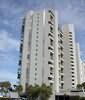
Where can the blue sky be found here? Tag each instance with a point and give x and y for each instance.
(11, 12)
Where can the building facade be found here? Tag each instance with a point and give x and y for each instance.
(48, 53)
(39, 50)
(70, 68)
(83, 72)
(79, 65)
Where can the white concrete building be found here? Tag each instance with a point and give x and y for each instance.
(60, 59)
(48, 54)
(79, 65)
(83, 71)
(39, 49)
(70, 69)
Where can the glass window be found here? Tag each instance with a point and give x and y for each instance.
(62, 62)
(73, 84)
(51, 18)
(51, 42)
(61, 78)
(61, 35)
(51, 55)
(51, 29)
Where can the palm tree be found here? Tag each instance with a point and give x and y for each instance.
(45, 92)
(39, 92)
(29, 92)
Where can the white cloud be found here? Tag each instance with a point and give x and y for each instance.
(7, 42)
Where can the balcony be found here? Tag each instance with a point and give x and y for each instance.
(51, 66)
(50, 22)
(51, 76)
(52, 61)
(51, 47)
(51, 81)
(51, 35)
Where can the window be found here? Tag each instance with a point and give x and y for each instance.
(35, 63)
(72, 72)
(70, 35)
(51, 73)
(37, 28)
(71, 48)
(51, 12)
(50, 62)
(51, 55)
(36, 54)
(62, 62)
(36, 49)
(22, 28)
(35, 74)
(61, 35)
(35, 58)
(61, 78)
(49, 78)
(70, 45)
(37, 24)
(71, 54)
(61, 48)
(51, 84)
(61, 55)
(71, 51)
(50, 48)
(36, 40)
(50, 35)
(61, 41)
(35, 68)
(61, 70)
(62, 85)
(51, 17)
(72, 68)
(70, 32)
(70, 41)
(51, 42)
(71, 58)
(36, 45)
(72, 76)
(51, 29)
(28, 56)
(72, 65)
(72, 61)
(20, 62)
(73, 84)
(37, 36)
(70, 38)
(37, 32)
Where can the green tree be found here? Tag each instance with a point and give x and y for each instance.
(45, 92)
(33, 92)
(79, 86)
(5, 87)
(39, 92)
(30, 92)
(83, 85)
(18, 88)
